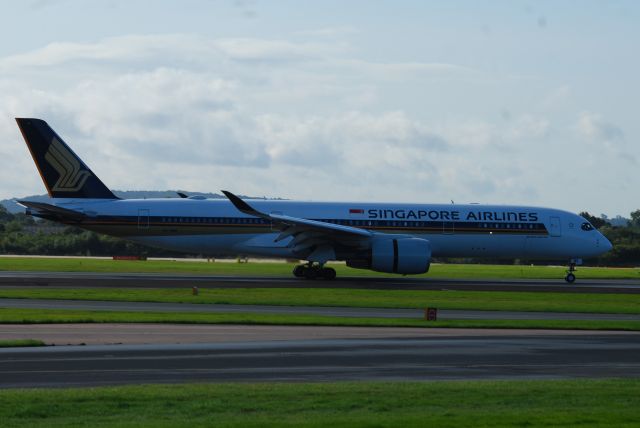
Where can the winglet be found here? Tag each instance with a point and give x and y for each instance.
(285, 221)
(242, 206)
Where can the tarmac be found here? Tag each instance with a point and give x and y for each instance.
(113, 354)
(431, 355)
(21, 279)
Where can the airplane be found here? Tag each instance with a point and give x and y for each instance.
(383, 237)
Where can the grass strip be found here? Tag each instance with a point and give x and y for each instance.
(284, 269)
(18, 343)
(575, 403)
(470, 300)
(54, 316)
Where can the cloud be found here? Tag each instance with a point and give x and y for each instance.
(351, 139)
(481, 135)
(595, 128)
(400, 70)
(331, 32)
(605, 136)
(263, 117)
(528, 127)
(186, 49)
(242, 49)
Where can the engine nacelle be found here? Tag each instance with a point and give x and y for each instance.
(403, 255)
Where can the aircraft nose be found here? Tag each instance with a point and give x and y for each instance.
(605, 244)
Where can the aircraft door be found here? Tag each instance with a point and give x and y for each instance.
(143, 219)
(448, 227)
(555, 228)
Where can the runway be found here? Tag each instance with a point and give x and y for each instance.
(470, 355)
(155, 280)
(443, 314)
(103, 354)
(187, 334)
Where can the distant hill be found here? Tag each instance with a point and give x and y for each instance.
(12, 207)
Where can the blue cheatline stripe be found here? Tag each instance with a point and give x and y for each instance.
(227, 221)
(251, 222)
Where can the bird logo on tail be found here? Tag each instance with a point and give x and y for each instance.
(72, 175)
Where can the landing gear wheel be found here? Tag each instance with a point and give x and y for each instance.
(328, 273)
(310, 272)
(298, 271)
(571, 277)
(313, 271)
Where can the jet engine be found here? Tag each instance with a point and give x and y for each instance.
(401, 255)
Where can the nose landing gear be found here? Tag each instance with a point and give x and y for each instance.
(571, 277)
(313, 271)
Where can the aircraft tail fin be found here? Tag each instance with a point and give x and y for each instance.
(63, 172)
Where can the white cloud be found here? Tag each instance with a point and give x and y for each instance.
(528, 127)
(145, 50)
(605, 137)
(261, 117)
(330, 31)
(595, 128)
(273, 50)
(399, 71)
(119, 49)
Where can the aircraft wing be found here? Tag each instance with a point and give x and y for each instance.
(51, 212)
(307, 235)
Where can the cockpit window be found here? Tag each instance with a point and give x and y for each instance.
(586, 226)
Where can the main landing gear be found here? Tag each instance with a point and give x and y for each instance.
(313, 271)
(571, 277)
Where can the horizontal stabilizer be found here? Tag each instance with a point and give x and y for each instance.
(51, 212)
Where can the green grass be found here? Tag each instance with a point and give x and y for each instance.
(569, 403)
(54, 316)
(471, 300)
(284, 269)
(18, 343)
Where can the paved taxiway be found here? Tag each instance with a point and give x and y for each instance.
(471, 355)
(443, 314)
(152, 280)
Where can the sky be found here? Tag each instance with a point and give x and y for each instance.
(502, 102)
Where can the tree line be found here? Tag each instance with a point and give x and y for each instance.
(625, 240)
(21, 234)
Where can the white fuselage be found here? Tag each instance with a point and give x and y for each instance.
(212, 226)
